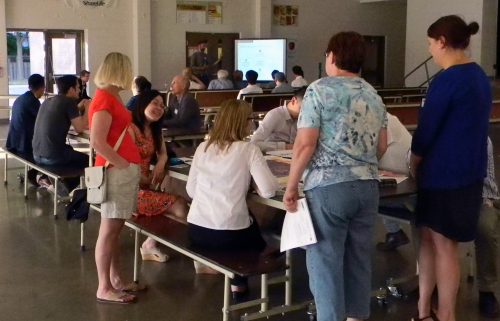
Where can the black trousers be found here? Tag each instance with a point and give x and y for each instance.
(244, 239)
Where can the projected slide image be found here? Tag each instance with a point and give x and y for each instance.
(261, 55)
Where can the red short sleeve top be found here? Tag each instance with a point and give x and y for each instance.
(121, 119)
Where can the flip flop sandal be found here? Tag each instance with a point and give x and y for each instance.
(133, 287)
(118, 298)
(153, 255)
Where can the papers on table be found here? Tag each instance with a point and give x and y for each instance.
(386, 174)
(297, 229)
(287, 153)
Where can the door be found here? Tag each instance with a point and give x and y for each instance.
(64, 55)
(373, 70)
(219, 46)
(50, 53)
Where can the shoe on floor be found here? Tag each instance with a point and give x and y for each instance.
(153, 254)
(488, 305)
(118, 298)
(393, 241)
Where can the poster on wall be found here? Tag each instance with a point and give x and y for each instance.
(197, 12)
(286, 15)
(90, 3)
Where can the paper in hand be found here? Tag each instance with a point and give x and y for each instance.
(297, 228)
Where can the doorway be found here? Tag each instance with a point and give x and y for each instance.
(220, 46)
(50, 53)
(373, 70)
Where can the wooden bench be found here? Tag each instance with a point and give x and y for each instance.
(245, 263)
(266, 102)
(55, 172)
(174, 235)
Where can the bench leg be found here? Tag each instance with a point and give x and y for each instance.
(288, 282)
(227, 298)
(263, 292)
(5, 169)
(26, 181)
(55, 198)
(136, 256)
(82, 235)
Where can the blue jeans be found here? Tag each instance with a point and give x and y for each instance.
(68, 156)
(339, 265)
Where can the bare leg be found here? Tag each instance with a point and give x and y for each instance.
(179, 209)
(427, 274)
(447, 276)
(106, 247)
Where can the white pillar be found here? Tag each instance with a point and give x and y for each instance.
(141, 37)
(262, 19)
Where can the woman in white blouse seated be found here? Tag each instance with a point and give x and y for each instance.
(218, 183)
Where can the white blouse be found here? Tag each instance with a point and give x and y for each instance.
(219, 181)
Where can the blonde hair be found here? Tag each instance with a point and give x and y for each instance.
(231, 124)
(115, 70)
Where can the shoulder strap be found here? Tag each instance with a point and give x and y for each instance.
(118, 143)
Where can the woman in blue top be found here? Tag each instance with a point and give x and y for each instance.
(449, 161)
(336, 148)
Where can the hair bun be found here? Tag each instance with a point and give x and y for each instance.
(473, 28)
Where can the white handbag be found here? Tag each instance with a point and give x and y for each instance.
(95, 177)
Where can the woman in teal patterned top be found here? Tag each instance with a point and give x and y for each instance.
(336, 150)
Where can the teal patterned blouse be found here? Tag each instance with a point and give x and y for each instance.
(349, 114)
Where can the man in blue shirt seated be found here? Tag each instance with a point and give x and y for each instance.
(183, 110)
(278, 129)
(22, 123)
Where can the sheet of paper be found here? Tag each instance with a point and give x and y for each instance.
(297, 229)
(287, 153)
(187, 160)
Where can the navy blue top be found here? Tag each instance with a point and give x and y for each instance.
(131, 103)
(22, 124)
(452, 131)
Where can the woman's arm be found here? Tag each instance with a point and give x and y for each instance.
(101, 122)
(303, 149)
(415, 161)
(159, 170)
(264, 182)
(382, 143)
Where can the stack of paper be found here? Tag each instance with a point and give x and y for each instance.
(297, 229)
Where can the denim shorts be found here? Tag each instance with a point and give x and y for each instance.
(121, 194)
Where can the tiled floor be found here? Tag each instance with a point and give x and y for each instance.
(44, 276)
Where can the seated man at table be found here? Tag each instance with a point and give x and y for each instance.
(394, 160)
(22, 123)
(282, 85)
(278, 129)
(54, 119)
(83, 80)
(183, 110)
(252, 87)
